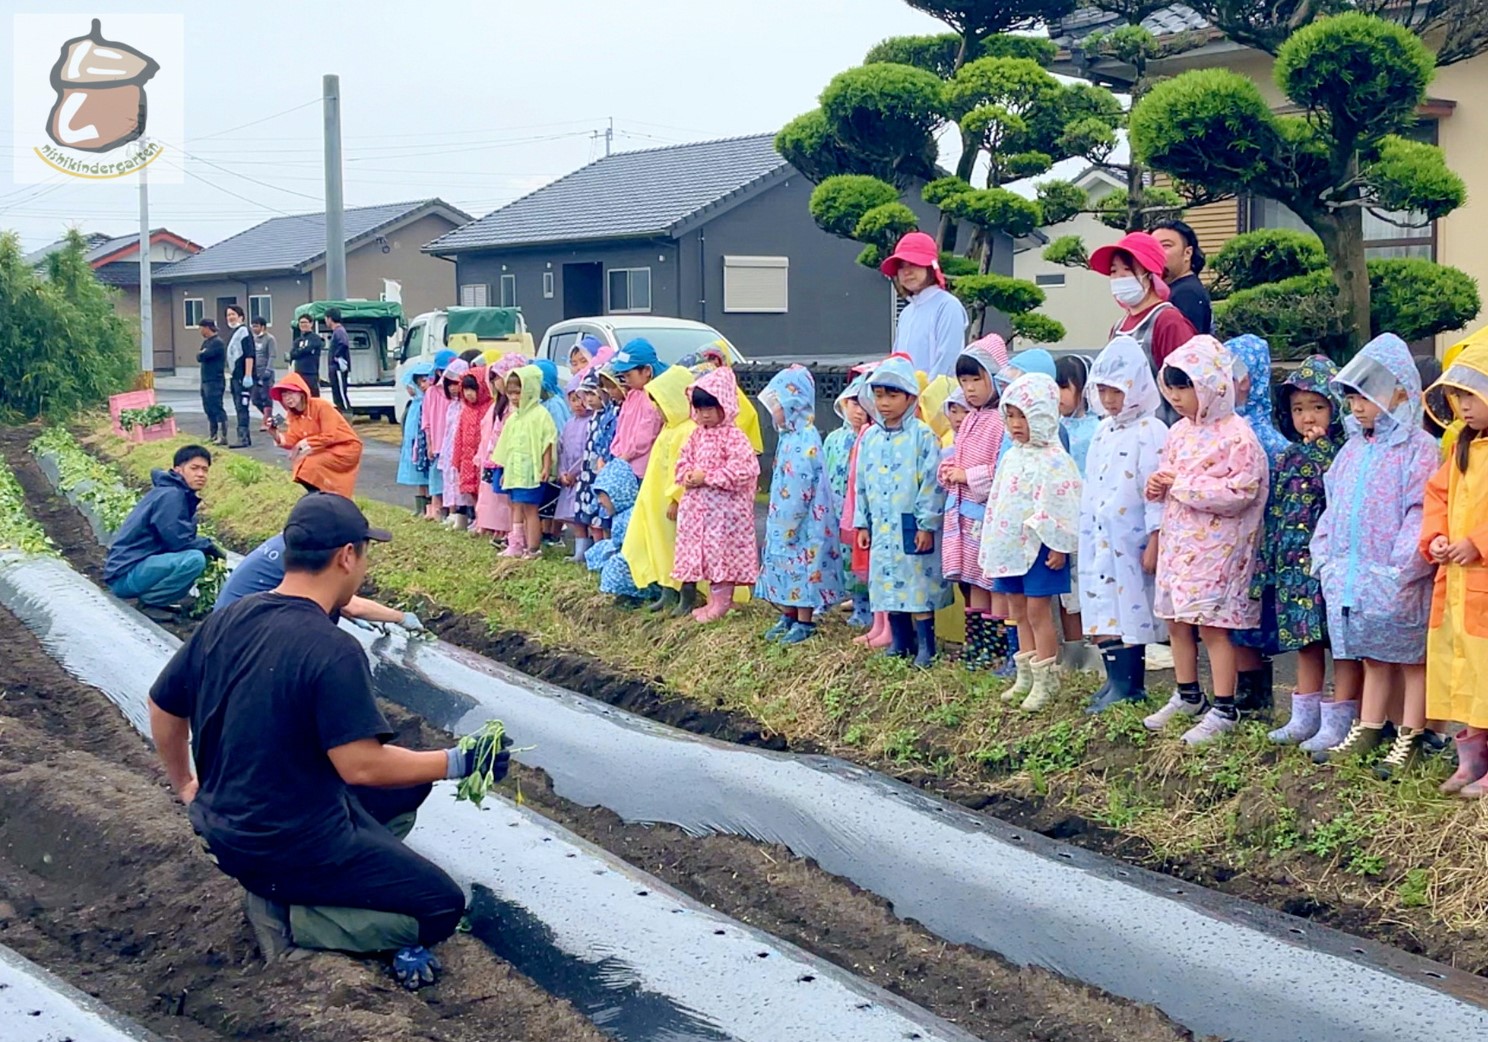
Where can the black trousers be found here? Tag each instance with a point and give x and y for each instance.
(312, 380)
(372, 869)
(339, 389)
(211, 396)
(241, 393)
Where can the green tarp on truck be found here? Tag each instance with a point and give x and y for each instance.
(485, 323)
(353, 310)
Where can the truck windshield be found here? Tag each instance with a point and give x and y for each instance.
(413, 342)
(672, 344)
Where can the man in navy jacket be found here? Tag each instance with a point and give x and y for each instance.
(156, 554)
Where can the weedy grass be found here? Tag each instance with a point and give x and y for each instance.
(18, 530)
(1398, 851)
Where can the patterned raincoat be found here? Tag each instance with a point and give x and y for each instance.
(1035, 501)
(895, 494)
(802, 565)
(1212, 513)
(605, 556)
(1376, 585)
(978, 446)
(1298, 496)
(1116, 518)
(1457, 508)
(715, 522)
(598, 437)
(1255, 354)
(837, 451)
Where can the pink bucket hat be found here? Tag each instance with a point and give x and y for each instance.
(1144, 249)
(919, 249)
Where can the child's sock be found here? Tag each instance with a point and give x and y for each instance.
(1224, 705)
(1192, 693)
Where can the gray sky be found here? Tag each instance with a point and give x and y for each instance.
(476, 103)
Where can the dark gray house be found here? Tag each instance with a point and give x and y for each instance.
(719, 232)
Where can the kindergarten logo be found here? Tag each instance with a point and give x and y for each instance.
(104, 108)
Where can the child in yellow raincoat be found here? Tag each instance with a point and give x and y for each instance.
(1454, 534)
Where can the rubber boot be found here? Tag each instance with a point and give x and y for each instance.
(687, 600)
(1009, 667)
(1022, 662)
(1337, 718)
(924, 630)
(1112, 663)
(973, 651)
(1127, 673)
(420, 506)
(1136, 672)
(1307, 717)
(720, 600)
(799, 631)
(1253, 694)
(1046, 684)
(581, 547)
(516, 542)
(781, 627)
(461, 522)
(877, 633)
(244, 442)
(1472, 762)
(666, 602)
(901, 634)
(861, 618)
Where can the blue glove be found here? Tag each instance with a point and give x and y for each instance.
(412, 623)
(465, 762)
(415, 966)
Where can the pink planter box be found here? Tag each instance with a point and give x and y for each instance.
(132, 400)
(156, 432)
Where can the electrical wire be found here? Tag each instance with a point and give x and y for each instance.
(256, 122)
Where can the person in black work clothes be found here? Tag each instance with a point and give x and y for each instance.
(1185, 262)
(241, 358)
(305, 354)
(340, 367)
(213, 361)
(296, 794)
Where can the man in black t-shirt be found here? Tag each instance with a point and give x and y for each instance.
(213, 361)
(1185, 262)
(305, 353)
(241, 358)
(297, 796)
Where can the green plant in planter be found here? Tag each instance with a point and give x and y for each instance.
(152, 416)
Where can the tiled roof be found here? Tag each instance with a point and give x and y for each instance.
(627, 195)
(294, 243)
(37, 257)
(1170, 20)
(126, 272)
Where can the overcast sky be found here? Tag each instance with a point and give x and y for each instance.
(476, 103)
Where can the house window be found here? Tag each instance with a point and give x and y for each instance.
(261, 306)
(1386, 235)
(508, 291)
(195, 310)
(756, 285)
(547, 285)
(473, 295)
(1053, 280)
(630, 290)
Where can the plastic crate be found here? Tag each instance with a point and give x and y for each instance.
(154, 432)
(131, 400)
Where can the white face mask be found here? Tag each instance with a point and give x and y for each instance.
(1128, 290)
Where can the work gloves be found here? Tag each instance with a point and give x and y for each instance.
(484, 755)
(415, 967)
(412, 623)
(214, 552)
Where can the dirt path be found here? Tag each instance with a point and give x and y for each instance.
(766, 887)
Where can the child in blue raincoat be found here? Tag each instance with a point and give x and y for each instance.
(801, 572)
(898, 508)
(413, 458)
(615, 491)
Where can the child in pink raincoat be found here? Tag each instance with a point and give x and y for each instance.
(1213, 480)
(492, 508)
(719, 472)
(640, 421)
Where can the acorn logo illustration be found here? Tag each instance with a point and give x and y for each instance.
(100, 89)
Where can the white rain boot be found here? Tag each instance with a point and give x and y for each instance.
(1023, 660)
(1046, 683)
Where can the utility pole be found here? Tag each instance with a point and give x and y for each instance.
(335, 225)
(609, 136)
(147, 289)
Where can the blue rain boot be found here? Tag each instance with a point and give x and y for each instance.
(1010, 666)
(861, 617)
(798, 632)
(1110, 658)
(901, 630)
(781, 627)
(924, 641)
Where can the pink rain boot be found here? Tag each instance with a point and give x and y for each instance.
(1472, 765)
(516, 542)
(720, 600)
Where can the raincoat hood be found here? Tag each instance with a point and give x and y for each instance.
(1315, 375)
(531, 379)
(956, 397)
(482, 389)
(852, 392)
(290, 382)
(621, 485)
(588, 346)
(794, 390)
(454, 371)
(991, 354)
(669, 392)
(510, 362)
(933, 395)
(1123, 365)
(549, 370)
(442, 359)
(1467, 371)
(1036, 360)
(1210, 367)
(896, 372)
(1255, 354)
(1380, 368)
(1037, 397)
(418, 369)
(720, 383)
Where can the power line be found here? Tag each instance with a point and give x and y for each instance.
(226, 191)
(245, 177)
(256, 122)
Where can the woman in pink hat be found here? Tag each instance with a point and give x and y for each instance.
(1135, 265)
(932, 326)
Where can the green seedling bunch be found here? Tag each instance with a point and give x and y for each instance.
(487, 743)
(18, 531)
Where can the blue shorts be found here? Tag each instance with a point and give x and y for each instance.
(531, 497)
(1041, 580)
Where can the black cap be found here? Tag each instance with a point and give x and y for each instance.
(326, 521)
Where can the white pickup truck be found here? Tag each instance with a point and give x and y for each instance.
(673, 338)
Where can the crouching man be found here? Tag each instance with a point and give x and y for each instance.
(296, 794)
